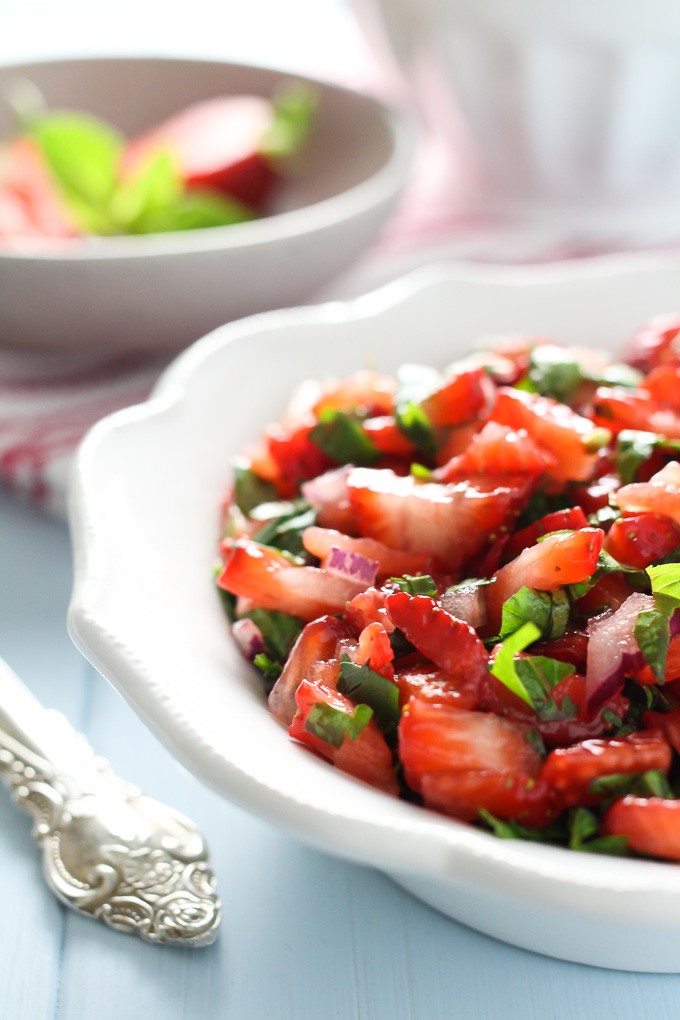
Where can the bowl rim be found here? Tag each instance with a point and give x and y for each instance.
(380, 186)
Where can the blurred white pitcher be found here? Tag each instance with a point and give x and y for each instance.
(572, 107)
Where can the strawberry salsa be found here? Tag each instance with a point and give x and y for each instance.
(462, 586)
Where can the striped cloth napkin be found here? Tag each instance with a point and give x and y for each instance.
(49, 400)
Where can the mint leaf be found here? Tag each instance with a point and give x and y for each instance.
(653, 634)
(333, 725)
(82, 154)
(363, 684)
(504, 667)
(416, 584)
(341, 437)
(294, 107)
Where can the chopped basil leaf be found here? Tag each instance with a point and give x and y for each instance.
(279, 631)
(285, 532)
(415, 425)
(421, 472)
(416, 584)
(539, 674)
(653, 634)
(603, 517)
(555, 373)
(513, 830)
(365, 685)
(634, 447)
(294, 108)
(269, 669)
(250, 489)
(665, 578)
(652, 783)
(606, 564)
(333, 725)
(549, 611)
(504, 665)
(583, 825)
(341, 437)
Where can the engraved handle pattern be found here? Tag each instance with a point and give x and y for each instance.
(111, 852)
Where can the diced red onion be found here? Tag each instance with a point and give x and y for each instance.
(327, 489)
(351, 565)
(466, 603)
(248, 637)
(613, 652)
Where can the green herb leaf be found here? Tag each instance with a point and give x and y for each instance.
(513, 830)
(539, 674)
(333, 725)
(82, 154)
(279, 631)
(414, 384)
(555, 373)
(341, 437)
(285, 531)
(416, 584)
(363, 684)
(294, 108)
(634, 447)
(416, 426)
(250, 490)
(665, 578)
(270, 670)
(548, 610)
(504, 665)
(192, 210)
(653, 634)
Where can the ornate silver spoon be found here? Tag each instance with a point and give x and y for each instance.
(108, 850)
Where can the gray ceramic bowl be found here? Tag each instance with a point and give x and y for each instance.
(159, 292)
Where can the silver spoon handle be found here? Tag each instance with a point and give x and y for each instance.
(108, 850)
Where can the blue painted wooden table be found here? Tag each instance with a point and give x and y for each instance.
(304, 935)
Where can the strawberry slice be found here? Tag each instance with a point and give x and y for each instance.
(571, 770)
(663, 384)
(572, 518)
(498, 450)
(572, 439)
(639, 539)
(436, 738)
(617, 408)
(365, 756)
(424, 680)
(316, 643)
(563, 558)
(660, 495)
(365, 392)
(449, 643)
(452, 523)
(517, 797)
(216, 144)
(655, 343)
(461, 397)
(271, 581)
(650, 824)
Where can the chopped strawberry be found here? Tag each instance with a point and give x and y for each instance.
(387, 437)
(595, 496)
(316, 643)
(610, 592)
(427, 681)
(271, 581)
(563, 558)
(436, 738)
(510, 796)
(572, 518)
(366, 393)
(295, 455)
(572, 647)
(651, 825)
(639, 539)
(374, 650)
(391, 562)
(216, 144)
(663, 385)
(655, 343)
(572, 439)
(449, 643)
(452, 523)
(368, 607)
(672, 670)
(660, 495)
(497, 450)
(365, 756)
(571, 770)
(618, 408)
(668, 723)
(462, 396)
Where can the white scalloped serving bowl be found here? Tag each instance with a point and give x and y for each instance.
(159, 292)
(144, 513)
